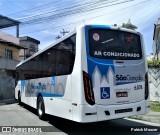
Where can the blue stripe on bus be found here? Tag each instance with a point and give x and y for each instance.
(22, 84)
(121, 83)
(101, 26)
(44, 94)
(102, 64)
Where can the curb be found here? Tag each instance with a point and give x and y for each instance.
(148, 118)
(8, 101)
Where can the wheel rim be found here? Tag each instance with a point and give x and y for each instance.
(40, 108)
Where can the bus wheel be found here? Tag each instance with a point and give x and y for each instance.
(19, 98)
(40, 108)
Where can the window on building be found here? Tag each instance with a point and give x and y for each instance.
(32, 48)
(8, 54)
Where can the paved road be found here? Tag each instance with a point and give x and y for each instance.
(15, 115)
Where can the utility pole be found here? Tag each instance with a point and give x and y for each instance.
(58, 37)
(64, 32)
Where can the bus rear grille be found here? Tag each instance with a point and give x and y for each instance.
(124, 110)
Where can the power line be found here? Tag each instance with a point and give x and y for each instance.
(106, 13)
(156, 7)
(134, 12)
(42, 18)
(62, 9)
(86, 19)
(55, 16)
(64, 3)
(32, 8)
(70, 9)
(79, 21)
(119, 9)
(71, 12)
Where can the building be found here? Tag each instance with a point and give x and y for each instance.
(156, 40)
(9, 58)
(12, 51)
(6, 22)
(32, 45)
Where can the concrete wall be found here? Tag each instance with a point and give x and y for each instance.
(7, 83)
(154, 84)
(7, 69)
(8, 64)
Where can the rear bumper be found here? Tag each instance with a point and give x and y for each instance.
(120, 111)
(102, 113)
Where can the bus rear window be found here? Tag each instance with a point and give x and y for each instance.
(114, 44)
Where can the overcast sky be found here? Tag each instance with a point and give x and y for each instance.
(44, 19)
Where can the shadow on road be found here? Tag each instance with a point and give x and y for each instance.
(119, 126)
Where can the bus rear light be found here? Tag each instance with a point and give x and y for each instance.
(146, 87)
(88, 90)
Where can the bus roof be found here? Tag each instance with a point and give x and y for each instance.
(73, 32)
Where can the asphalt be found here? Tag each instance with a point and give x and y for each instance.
(149, 117)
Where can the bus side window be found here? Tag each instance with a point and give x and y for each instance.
(38, 66)
(65, 56)
(49, 63)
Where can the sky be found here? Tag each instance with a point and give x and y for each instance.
(44, 19)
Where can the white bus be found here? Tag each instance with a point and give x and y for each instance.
(95, 73)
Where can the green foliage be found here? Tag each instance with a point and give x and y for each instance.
(153, 63)
(129, 25)
(155, 107)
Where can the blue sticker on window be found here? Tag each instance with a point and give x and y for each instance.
(105, 92)
(39, 86)
(22, 85)
(53, 81)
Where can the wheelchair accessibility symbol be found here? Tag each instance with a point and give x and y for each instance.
(105, 92)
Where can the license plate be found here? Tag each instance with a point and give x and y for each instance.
(122, 94)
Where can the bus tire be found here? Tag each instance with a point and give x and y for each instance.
(19, 98)
(40, 108)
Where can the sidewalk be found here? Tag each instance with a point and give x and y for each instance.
(150, 117)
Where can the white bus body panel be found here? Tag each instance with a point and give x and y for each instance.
(135, 97)
(73, 106)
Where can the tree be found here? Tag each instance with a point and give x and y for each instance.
(129, 25)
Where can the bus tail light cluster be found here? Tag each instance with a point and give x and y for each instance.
(88, 90)
(146, 87)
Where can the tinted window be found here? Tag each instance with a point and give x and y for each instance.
(49, 63)
(38, 66)
(114, 44)
(26, 70)
(65, 56)
(58, 60)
